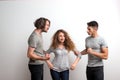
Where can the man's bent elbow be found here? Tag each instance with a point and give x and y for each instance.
(105, 57)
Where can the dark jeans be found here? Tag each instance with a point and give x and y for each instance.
(36, 72)
(95, 73)
(64, 75)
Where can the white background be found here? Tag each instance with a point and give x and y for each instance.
(16, 24)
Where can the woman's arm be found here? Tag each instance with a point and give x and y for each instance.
(50, 65)
(73, 66)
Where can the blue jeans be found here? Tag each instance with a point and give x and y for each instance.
(95, 73)
(36, 72)
(64, 75)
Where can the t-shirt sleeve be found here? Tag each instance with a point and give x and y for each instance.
(50, 50)
(32, 42)
(104, 44)
(79, 55)
(86, 43)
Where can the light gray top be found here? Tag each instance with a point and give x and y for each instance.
(96, 44)
(60, 61)
(36, 42)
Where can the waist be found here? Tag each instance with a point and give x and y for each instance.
(35, 62)
(95, 63)
(38, 52)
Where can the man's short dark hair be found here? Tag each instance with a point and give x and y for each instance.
(41, 22)
(93, 24)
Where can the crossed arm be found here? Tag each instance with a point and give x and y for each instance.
(102, 55)
(30, 54)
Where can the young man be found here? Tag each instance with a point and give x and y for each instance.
(97, 49)
(35, 52)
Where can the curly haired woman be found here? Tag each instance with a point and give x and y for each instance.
(61, 46)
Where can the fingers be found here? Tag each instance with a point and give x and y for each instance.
(47, 56)
(51, 66)
(89, 50)
(72, 67)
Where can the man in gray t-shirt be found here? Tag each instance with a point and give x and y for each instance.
(97, 49)
(35, 49)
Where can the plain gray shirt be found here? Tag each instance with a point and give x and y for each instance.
(96, 44)
(36, 42)
(61, 60)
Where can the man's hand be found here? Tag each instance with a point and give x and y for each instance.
(90, 50)
(47, 56)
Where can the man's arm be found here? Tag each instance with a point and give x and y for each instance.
(102, 55)
(84, 52)
(30, 54)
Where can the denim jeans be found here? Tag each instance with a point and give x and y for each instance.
(95, 73)
(36, 72)
(64, 75)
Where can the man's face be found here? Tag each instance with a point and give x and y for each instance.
(90, 30)
(47, 26)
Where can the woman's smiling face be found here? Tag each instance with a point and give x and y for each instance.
(61, 37)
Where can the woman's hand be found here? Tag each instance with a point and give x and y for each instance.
(73, 66)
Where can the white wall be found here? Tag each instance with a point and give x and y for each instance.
(16, 24)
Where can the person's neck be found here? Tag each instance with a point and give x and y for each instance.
(38, 31)
(95, 35)
(61, 45)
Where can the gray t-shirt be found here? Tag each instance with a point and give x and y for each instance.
(36, 42)
(61, 59)
(96, 44)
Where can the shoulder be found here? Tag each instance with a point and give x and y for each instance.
(89, 37)
(32, 37)
(102, 41)
(101, 38)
